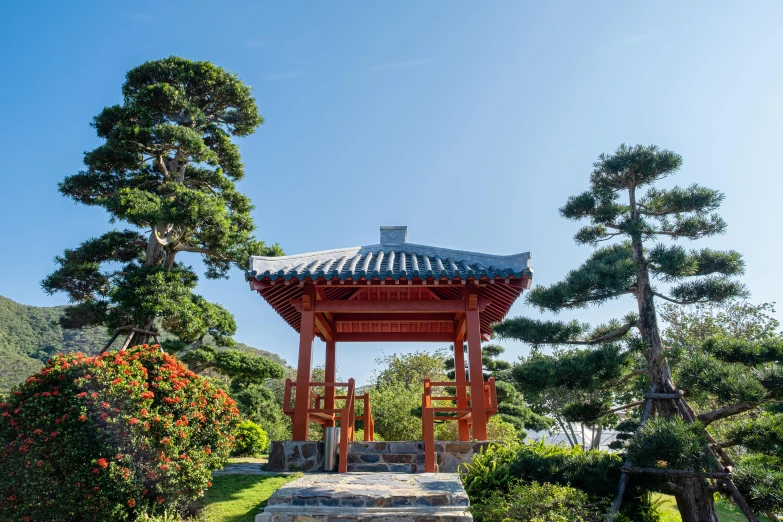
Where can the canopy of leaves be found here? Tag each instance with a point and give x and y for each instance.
(249, 368)
(410, 369)
(392, 406)
(583, 369)
(168, 168)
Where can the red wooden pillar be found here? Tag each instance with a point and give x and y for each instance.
(304, 365)
(475, 366)
(330, 375)
(462, 392)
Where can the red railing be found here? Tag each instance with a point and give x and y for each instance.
(465, 413)
(345, 414)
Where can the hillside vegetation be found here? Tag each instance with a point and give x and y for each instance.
(29, 335)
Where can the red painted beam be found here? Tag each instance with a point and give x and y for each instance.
(394, 337)
(421, 316)
(375, 307)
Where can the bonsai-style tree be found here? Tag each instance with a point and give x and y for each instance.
(167, 168)
(626, 209)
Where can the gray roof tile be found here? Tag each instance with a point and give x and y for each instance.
(383, 261)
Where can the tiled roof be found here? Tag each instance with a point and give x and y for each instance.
(390, 260)
(501, 279)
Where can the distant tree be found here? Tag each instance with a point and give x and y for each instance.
(168, 169)
(410, 369)
(393, 405)
(626, 268)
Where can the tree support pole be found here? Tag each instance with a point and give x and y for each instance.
(475, 365)
(304, 365)
(735, 492)
(625, 477)
(462, 392)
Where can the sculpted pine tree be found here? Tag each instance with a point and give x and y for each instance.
(167, 168)
(626, 209)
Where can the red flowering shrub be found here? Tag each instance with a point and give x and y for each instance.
(109, 437)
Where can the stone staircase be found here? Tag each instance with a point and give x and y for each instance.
(376, 497)
(386, 457)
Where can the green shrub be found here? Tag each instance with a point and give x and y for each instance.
(539, 503)
(358, 435)
(110, 438)
(497, 429)
(251, 440)
(502, 467)
(594, 472)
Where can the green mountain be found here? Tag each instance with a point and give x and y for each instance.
(29, 335)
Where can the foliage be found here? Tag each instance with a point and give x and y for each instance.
(250, 440)
(630, 224)
(502, 467)
(511, 407)
(410, 369)
(359, 435)
(497, 429)
(694, 325)
(392, 405)
(122, 433)
(760, 479)
(671, 443)
(538, 503)
(168, 168)
(247, 367)
(258, 403)
(29, 335)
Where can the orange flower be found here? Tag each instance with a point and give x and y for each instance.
(133, 420)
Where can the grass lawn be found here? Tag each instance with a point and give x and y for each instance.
(726, 512)
(239, 498)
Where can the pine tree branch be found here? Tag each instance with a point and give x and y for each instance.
(161, 165)
(607, 337)
(625, 378)
(598, 297)
(671, 300)
(721, 413)
(621, 408)
(182, 247)
(727, 444)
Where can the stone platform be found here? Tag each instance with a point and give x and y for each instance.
(391, 456)
(377, 497)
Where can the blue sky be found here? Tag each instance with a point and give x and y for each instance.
(471, 123)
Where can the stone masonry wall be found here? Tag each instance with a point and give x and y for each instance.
(391, 456)
(291, 455)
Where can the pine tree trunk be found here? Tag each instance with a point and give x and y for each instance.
(695, 501)
(694, 498)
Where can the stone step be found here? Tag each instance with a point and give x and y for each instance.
(380, 497)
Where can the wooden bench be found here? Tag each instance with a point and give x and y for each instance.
(429, 412)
